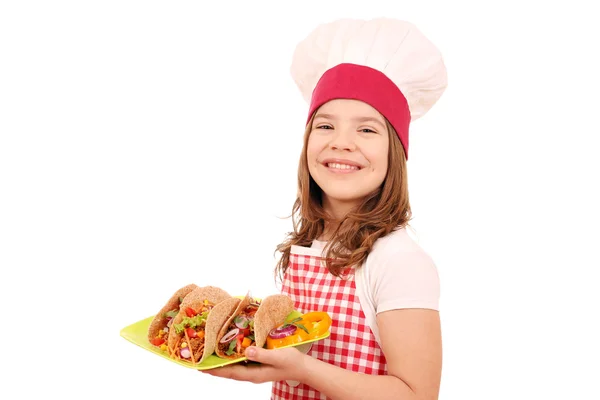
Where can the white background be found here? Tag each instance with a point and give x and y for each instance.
(145, 145)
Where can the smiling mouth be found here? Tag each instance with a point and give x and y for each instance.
(342, 167)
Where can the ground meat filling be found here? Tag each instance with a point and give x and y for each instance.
(190, 346)
(197, 345)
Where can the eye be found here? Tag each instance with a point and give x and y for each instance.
(367, 130)
(324, 127)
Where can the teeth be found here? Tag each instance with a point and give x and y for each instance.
(341, 166)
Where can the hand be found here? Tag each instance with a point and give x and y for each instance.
(275, 365)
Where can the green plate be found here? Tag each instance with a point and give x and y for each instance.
(137, 333)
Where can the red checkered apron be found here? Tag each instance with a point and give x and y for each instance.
(351, 345)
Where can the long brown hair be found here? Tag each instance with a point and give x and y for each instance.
(381, 212)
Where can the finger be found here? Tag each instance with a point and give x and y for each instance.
(276, 357)
(231, 372)
(262, 356)
(254, 374)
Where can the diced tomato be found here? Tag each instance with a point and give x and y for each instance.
(190, 312)
(245, 332)
(157, 341)
(191, 332)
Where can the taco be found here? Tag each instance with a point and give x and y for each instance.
(159, 327)
(250, 324)
(194, 330)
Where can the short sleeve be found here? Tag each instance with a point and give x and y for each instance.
(404, 279)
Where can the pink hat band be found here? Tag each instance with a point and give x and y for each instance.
(358, 82)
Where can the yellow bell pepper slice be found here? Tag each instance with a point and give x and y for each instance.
(317, 323)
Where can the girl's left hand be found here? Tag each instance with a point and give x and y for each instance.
(275, 365)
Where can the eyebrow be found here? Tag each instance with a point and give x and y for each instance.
(357, 119)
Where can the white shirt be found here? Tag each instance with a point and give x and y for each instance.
(397, 274)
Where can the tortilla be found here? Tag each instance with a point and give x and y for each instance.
(160, 320)
(224, 305)
(211, 293)
(216, 318)
(271, 313)
(224, 327)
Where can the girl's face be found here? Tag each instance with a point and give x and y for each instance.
(347, 151)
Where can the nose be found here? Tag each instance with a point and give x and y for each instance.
(343, 139)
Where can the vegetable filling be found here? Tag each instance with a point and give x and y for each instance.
(161, 337)
(190, 341)
(240, 332)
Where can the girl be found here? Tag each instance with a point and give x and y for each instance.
(350, 254)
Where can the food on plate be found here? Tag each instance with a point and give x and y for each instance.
(193, 333)
(309, 326)
(159, 327)
(250, 324)
(197, 322)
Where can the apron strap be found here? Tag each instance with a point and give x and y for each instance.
(306, 251)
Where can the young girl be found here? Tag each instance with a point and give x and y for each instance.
(350, 254)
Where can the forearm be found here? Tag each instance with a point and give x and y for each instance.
(337, 383)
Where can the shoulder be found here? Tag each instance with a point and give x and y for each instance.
(398, 246)
(401, 274)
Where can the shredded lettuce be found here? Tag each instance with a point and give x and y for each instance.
(231, 349)
(193, 322)
(296, 324)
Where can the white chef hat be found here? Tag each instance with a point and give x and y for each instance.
(387, 63)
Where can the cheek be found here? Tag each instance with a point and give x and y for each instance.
(312, 152)
(385, 162)
(312, 155)
(378, 158)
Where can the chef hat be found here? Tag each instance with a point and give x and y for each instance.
(387, 63)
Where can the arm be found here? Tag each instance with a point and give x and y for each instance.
(405, 288)
(411, 342)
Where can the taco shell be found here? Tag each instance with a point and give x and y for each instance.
(271, 313)
(160, 320)
(216, 318)
(211, 293)
(224, 305)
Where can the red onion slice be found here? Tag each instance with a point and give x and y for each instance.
(241, 322)
(185, 353)
(230, 335)
(280, 333)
